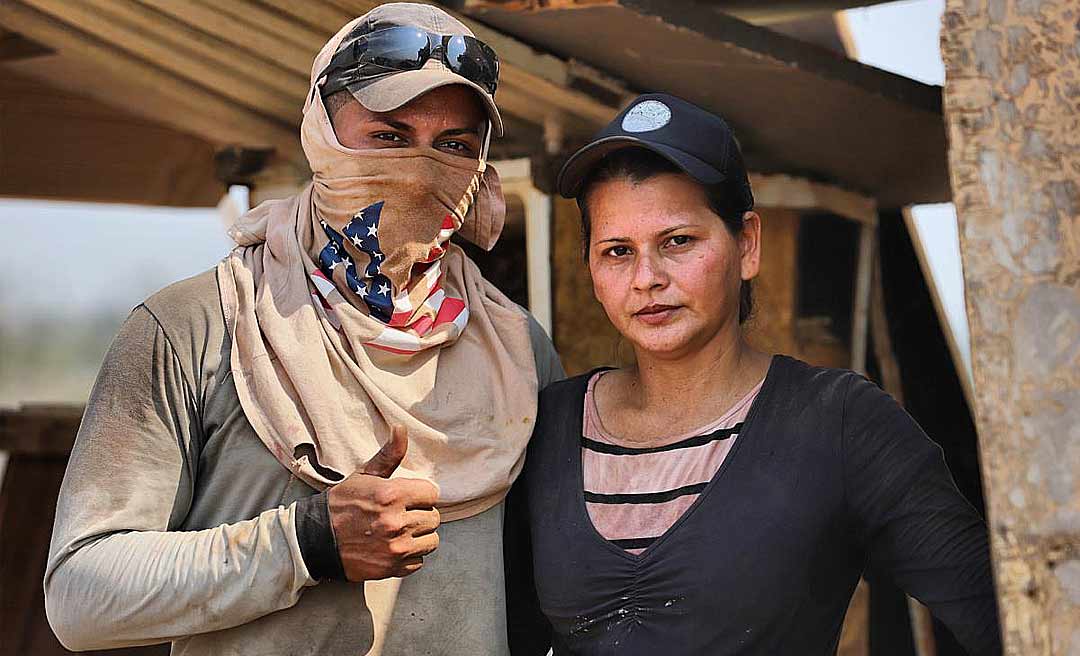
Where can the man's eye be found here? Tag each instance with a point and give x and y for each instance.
(680, 240)
(389, 136)
(458, 147)
(617, 251)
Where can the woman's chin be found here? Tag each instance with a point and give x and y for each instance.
(661, 341)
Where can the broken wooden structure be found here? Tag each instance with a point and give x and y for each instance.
(161, 102)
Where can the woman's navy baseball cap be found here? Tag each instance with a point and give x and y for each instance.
(698, 142)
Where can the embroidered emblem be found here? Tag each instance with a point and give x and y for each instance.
(646, 116)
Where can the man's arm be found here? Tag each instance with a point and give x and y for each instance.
(117, 575)
(549, 367)
(918, 526)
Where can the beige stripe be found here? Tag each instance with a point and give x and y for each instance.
(642, 520)
(652, 472)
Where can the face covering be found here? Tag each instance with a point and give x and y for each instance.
(384, 218)
(322, 374)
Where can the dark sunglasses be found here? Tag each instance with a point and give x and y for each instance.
(397, 49)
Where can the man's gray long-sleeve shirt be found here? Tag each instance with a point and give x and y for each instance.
(175, 523)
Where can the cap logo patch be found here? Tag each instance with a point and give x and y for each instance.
(646, 116)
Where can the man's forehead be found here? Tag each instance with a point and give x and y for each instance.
(452, 104)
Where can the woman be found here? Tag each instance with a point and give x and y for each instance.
(713, 499)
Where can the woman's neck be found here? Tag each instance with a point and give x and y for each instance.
(712, 375)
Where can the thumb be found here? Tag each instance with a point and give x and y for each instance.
(391, 454)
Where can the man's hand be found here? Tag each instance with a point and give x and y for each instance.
(384, 527)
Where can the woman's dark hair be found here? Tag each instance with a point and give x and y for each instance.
(640, 164)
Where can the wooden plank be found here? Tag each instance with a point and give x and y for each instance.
(145, 89)
(27, 507)
(168, 29)
(244, 36)
(799, 193)
(355, 7)
(40, 430)
(533, 84)
(61, 146)
(317, 14)
(860, 313)
(889, 366)
(95, 19)
(16, 46)
(922, 625)
(247, 14)
(546, 93)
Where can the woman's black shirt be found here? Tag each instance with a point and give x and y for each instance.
(828, 473)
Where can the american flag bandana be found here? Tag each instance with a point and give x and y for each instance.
(351, 259)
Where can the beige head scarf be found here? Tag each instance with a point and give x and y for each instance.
(314, 362)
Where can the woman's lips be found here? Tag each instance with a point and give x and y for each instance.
(656, 314)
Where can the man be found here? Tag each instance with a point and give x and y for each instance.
(271, 446)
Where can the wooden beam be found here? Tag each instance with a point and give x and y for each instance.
(590, 113)
(538, 82)
(922, 624)
(145, 89)
(248, 14)
(61, 146)
(179, 34)
(315, 13)
(94, 18)
(14, 47)
(860, 313)
(40, 430)
(249, 37)
(1014, 156)
(355, 7)
(801, 194)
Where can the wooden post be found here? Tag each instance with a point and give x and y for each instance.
(1012, 108)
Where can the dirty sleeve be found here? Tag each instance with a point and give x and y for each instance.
(119, 572)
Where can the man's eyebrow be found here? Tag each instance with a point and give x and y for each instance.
(397, 125)
(614, 239)
(453, 132)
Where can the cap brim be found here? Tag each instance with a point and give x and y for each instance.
(393, 91)
(575, 170)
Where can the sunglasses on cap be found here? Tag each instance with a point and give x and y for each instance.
(397, 49)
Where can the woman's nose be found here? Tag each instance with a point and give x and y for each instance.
(648, 273)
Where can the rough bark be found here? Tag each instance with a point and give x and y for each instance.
(1012, 107)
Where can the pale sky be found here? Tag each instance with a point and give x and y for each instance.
(70, 259)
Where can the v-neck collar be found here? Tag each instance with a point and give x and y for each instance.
(774, 372)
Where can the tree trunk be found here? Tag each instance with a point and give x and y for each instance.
(1012, 107)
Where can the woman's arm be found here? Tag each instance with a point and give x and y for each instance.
(117, 575)
(917, 525)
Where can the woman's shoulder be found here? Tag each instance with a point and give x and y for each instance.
(805, 383)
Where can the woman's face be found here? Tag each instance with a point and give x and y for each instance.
(664, 267)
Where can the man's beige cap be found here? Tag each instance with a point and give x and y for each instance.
(394, 90)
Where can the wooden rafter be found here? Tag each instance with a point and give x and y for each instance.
(97, 18)
(102, 71)
(237, 72)
(14, 47)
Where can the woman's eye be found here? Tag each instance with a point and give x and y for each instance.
(617, 251)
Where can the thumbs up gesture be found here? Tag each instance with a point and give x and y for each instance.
(384, 527)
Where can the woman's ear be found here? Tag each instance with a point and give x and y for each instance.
(750, 245)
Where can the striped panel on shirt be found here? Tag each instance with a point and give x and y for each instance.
(635, 494)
